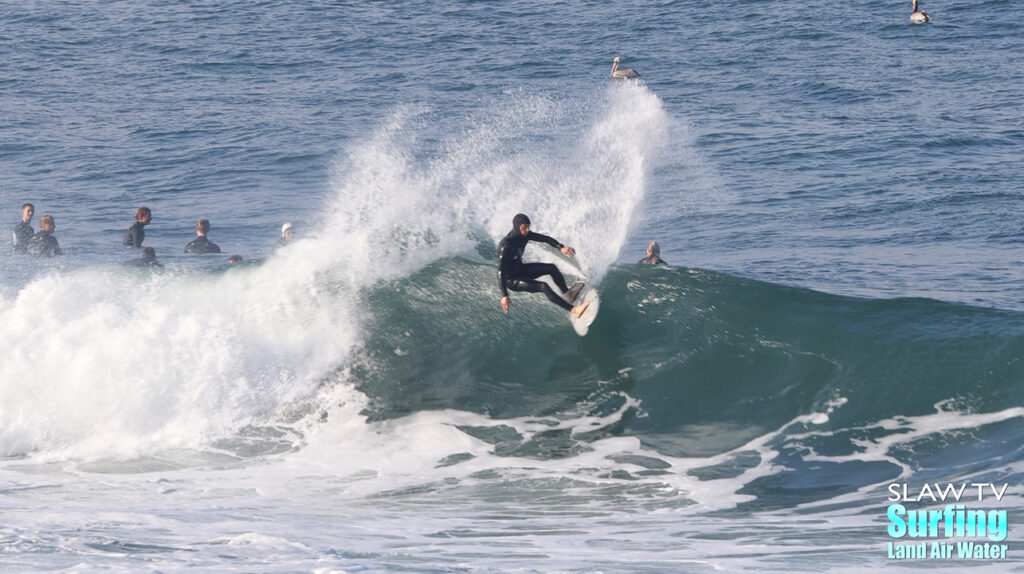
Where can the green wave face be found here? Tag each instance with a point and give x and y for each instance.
(713, 360)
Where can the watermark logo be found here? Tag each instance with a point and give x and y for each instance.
(965, 528)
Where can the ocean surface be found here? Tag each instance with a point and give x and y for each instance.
(839, 194)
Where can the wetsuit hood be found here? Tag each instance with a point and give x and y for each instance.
(518, 220)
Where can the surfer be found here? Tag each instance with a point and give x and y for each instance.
(148, 259)
(44, 244)
(287, 236)
(23, 232)
(136, 233)
(653, 255)
(518, 276)
(201, 244)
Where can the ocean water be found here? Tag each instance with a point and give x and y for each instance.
(839, 196)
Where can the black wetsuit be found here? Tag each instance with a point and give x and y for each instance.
(653, 260)
(136, 233)
(43, 244)
(23, 233)
(518, 276)
(202, 245)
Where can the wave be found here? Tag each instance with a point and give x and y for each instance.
(105, 361)
(384, 328)
(788, 395)
(714, 360)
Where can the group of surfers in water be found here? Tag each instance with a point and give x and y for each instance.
(44, 244)
(513, 273)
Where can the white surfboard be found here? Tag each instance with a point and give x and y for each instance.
(582, 323)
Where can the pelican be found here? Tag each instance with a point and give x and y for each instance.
(918, 16)
(627, 73)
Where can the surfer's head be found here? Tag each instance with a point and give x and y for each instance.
(144, 215)
(202, 227)
(653, 249)
(518, 223)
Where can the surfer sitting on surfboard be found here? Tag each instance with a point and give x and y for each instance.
(518, 276)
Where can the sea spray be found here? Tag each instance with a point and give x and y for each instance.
(111, 361)
(418, 189)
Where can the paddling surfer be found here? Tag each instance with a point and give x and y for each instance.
(515, 275)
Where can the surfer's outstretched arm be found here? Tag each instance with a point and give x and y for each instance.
(567, 251)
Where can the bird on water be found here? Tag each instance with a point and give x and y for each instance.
(918, 16)
(625, 73)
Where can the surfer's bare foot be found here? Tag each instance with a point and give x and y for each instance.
(580, 309)
(573, 293)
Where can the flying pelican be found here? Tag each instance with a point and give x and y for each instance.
(627, 73)
(918, 16)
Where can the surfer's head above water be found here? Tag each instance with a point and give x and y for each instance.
(653, 249)
(519, 221)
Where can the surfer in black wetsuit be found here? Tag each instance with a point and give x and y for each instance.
(23, 232)
(148, 259)
(653, 255)
(515, 275)
(201, 244)
(137, 233)
(44, 244)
